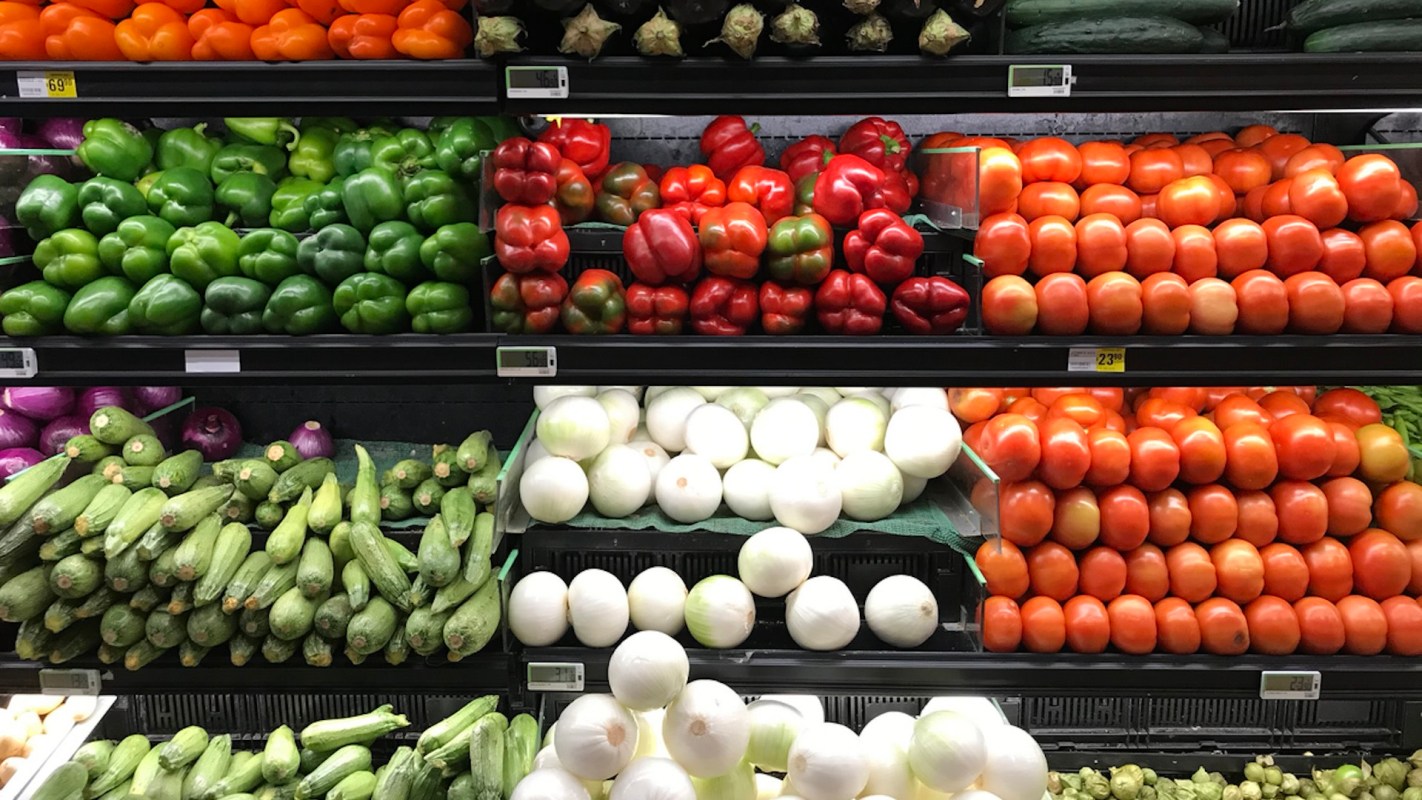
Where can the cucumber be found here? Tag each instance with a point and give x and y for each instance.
(365, 497)
(333, 616)
(177, 473)
(143, 450)
(1315, 15)
(458, 510)
(240, 649)
(126, 572)
(58, 511)
(78, 640)
(108, 466)
(1023, 13)
(165, 630)
(272, 585)
(209, 768)
(325, 505)
(332, 734)
(113, 425)
(277, 650)
(317, 650)
(449, 728)
(186, 510)
(121, 626)
(194, 556)
(292, 615)
(229, 553)
(191, 654)
(240, 587)
(1367, 37)
(371, 627)
(356, 582)
(438, 559)
(139, 513)
(181, 600)
(64, 543)
(255, 478)
(64, 783)
(102, 509)
(280, 759)
(471, 627)
(183, 749)
(306, 475)
(24, 489)
(89, 450)
(268, 514)
(427, 497)
(26, 595)
(346, 761)
(209, 627)
(135, 478)
(281, 455)
(1107, 34)
(395, 503)
(75, 576)
(315, 571)
(284, 543)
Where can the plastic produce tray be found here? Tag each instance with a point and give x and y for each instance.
(38, 768)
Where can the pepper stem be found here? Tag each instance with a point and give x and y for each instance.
(891, 145)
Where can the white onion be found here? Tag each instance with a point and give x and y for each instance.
(635, 391)
(885, 740)
(554, 489)
(689, 488)
(1016, 768)
(653, 454)
(714, 431)
(826, 456)
(649, 734)
(773, 728)
(543, 395)
(597, 607)
(828, 394)
(652, 779)
(948, 752)
(574, 426)
(804, 495)
(618, 484)
(549, 784)
(854, 424)
(547, 758)
(720, 611)
(878, 399)
(707, 728)
(808, 705)
(923, 440)
(666, 416)
(745, 402)
(647, 670)
(596, 737)
(623, 414)
(641, 435)
(913, 488)
(736, 784)
(981, 710)
(653, 392)
(746, 489)
(538, 609)
(783, 429)
(827, 763)
(894, 727)
(919, 396)
(779, 391)
(821, 614)
(767, 787)
(712, 392)
(970, 794)
(821, 409)
(775, 561)
(535, 451)
(901, 611)
(870, 486)
(921, 792)
(656, 600)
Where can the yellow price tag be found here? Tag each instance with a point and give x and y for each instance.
(60, 84)
(1110, 359)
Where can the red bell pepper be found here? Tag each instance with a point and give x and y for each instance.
(529, 238)
(724, 307)
(879, 141)
(732, 239)
(585, 143)
(661, 247)
(784, 309)
(884, 247)
(845, 188)
(849, 303)
(627, 190)
(933, 305)
(689, 191)
(806, 156)
(895, 195)
(575, 198)
(727, 144)
(911, 181)
(527, 303)
(656, 310)
(800, 250)
(525, 172)
(654, 171)
(769, 190)
(596, 304)
(805, 194)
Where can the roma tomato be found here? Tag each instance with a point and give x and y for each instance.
(1251, 135)
(1125, 517)
(1315, 156)
(1223, 629)
(1315, 303)
(1304, 445)
(1189, 201)
(1373, 185)
(1113, 199)
(1294, 245)
(1347, 458)
(1114, 300)
(1330, 569)
(1169, 518)
(1061, 305)
(1053, 245)
(1004, 244)
(1381, 565)
(1320, 626)
(1314, 195)
(1004, 568)
(1146, 573)
(1043, 625)
(1153, 170)
(1088, 628)
(1389, 250)
(1350, 506)
(1177, 629)
(1349, 404)
(1277, 150)
(1078, 406)
(1192, 573)
(1382, 456)
(974, 404)
(1214, 307)
(1052, 570)
(1364, 625)
(1076, 519)
(1399, 510)
(1110, 457)
(1150, 248)
(1048, 199)
(1100, 245)
(1406, 304)
(1243, 169)
(1258, 520)
(1367, 306)
(1103, 162)
(1263, 303)
(999, 180)
(1155, 459)
(1302, 510)
(1214, 513)
(1239, 569)
(1001, 624)
(1048, 158)
(1241, 245)
(1165, 304)
(1009, 306)
(1250, 462)
(1010, 445)
(1025, 512)
(1285, 571)
(1132, 619)
(1404, 626)
(1195, 256)
(1343, 255)
(1103, 573)
(1066, 453)
(1273, 626)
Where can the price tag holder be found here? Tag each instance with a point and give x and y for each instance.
(1292, 685)
(1039, 80)
(555, 676)
(70, 681)
(1096, 359)
(18, 362)
(212, 361)
(50, 83)
(536, 83)
(526, 362)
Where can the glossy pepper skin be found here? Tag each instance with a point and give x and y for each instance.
(327, 205)
(656, 310)
(393, 249)
(49, 203)
(234, 158)
(138, 248)
(187, 147)
(69, 259)
(291, 35)
(574, 198)
(182, 196)
(333, 254)
(625, 192)
(587, 144)
(289, 210)
(784, 309)
(299, 306)
(806, 156)
(732, 239)
(845, 188)
(165, 306)
(203, 253)
(353, 153)
(405, 152)
(363, 36)
(439, 307)
(596, 304)
(115, 149)
(73, 33)
(312, 156)
(769, 190)
(689, 191)
(454, 252)
(273, 131)
(219, 36)
(932, 305)
(369, 302)
(154, 32)
(727, 145)
(879, 141)
(268, 255)
(805, 194)
(105, 202)
(33, 309)
(100, 308)
(433, 199)
(461, 145)
(529, 303)
(372, 196)
(662, 247)
(883, 246)
(724, 306)
(233, 306)
(247, 197)
(530, 238)
(849, 303)
(525, 172)
(429, 29)
(800, 250)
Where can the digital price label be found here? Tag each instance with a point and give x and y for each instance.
(18, 362)
(536, 83)
(551, 676)
(526, 362)
(55, 84)
(212, 361)
(1096, 359)
(1293, 685)
(1039, 80)
(70, 681)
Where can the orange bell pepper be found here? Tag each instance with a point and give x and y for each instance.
(429, 30)
(218, 36)
(72, 33)
(364, 36)
(17, 12)
(323, 11)
(292, 35)
(108, 9)
(184, 7)
(21, 34)
(391, 7)
(252, 12)
(155, 32)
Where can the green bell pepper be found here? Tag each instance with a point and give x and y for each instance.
(372, 303)
(352, 151)
(337, 124)
(187, 147)
(234, 158)
(371, 197)
(299, 306)
(312, 156)
(100, 308)
(48, 204)
(394, 250)
(503, 127)
(268, 255)
(115, 149)
(33, 309)
(271, 131)
(165, 306)
(138, 249)
(105, 202)
(453, 252)
(433, 199)
(461, 148)
(332, 254)
(182, 196)
(203, 253)
(439, 307)
(69, 258)
(234, 306)
(289, 204)
(405, 152)
(327, 205)
(247, 197)
(146, 182)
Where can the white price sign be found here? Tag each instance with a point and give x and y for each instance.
(18, 362)
(526, 362)
(212, 361)
(70, 681)
(1039, 80)
(555, 676)
(536, 83)
(1290, 685)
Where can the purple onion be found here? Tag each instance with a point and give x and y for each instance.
(312, 440)
(7, 237)
(61, 133)
(166, 429)
(39, 402)
(16, 430)
(97, 397)
(214, 432)
(63, 166)
(152, 398)
(14, 459)
(61, 430)
(15, 124)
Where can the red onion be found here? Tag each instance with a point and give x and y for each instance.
(97, 397)
(39, 402)
(63, 166)
(15, 124)
(16, 430)
(61, 133)
(166, 429)
(152, 398)
(62, 429)
(214, 432)
(7, 237)
(14, 459)
(312, 440)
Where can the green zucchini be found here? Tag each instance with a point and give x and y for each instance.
(268, 514)
(374, 555)
(113, 425)
(421, 592)
(148, 598)
(78, 640)
(121, 626)
(365, 497)
(346, 761)
(245, 580)
(255, 622)
(244, 775)
(143, 450)
(315, 571)
(371, 627)
(355, 786)
(94, 756)
(153, 542)
(62, 544)
(340, 541)
(102, 509)
(284, 543)
(449, 728)
(1315, 15)
(75, 576)
(1400, 35)
(293, 614)
(281, 456)
(310, 760)
(410, 472)
(474, 451)
(307, 475)
(452, 595)
(458, 510)
(446, 467)
(332, 734)
(484, 484)
(141, 654)
(240, 649)
(477, 564)
(1106, 34)
(147, 773)
(395, 503)
(58, 510)
(454, 756)
(123, 761)
(407, 561)
(427, 497)
(486, 754)
(186, 510)
(26, 595)
(139, 513)
(239, 508)
(126, 572)
(272, 585)
(356, 582)
(165, 630)
(178, 472)
(23, 489)
(109, 654)
(471, 627)
(64, 783)
(229, 553)
(181, 601)
(277, 650)
(60, 614)
(255, 478)
(184, 748)
(87, 449)
(19, 541)
(397, 647)
(93, 546)
(194, 556)
(317, 650)
(161, 570)
(521, 743)
(209, 627)
(208, 481)
(424, 629)
(135, 478)
(281, 759)
(333, 616)
(438, 558)
(108, 466)
(462, 787)
(1023, 13)
(97, 603)
(191, 654)
(32, 640)
(393, 783)
(325, 505)
(209, 768)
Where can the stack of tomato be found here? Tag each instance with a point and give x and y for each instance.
(1190, 519)
(1259, 233)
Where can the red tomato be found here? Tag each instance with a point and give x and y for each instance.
(1125, 517)
(1158, 139)
(1285, 571)
(1240, 408)
(1214, 307)
(1281, 403)
(1194, 159)
(1263, 303)
(1277, 149)
(1052, 570)
(1251, 135)
(1252, 205)
(1302, 510)
(1348, 457)
(1152, 170)
(1399, 510)
(1188, 201)
(1229, 204)
(1273, 626)
(1241, 245)
(1061, 305)
(1349, 404)
(1304, 445)
(1320, 626)
(1343, 255)
(1330, 569)
(1382, 457)
(1049, 159)
(1148, 202)
(1114, 300)
(1010, 445)
(1165, 304)
(1078, 406)
(1076, 519)
(1048, 199)
(1239, 569)
(1242, 169)
(1169, 518)
(1146, 573)
(1414, 555)
(1043, 625)
(1159, 412)
(1350, 506)
(1176, 626)
(1100, 244)
(1315, 304)
(1223, 629)
(1214, 513)
(1003, 244)
(1009, 306)
(1002, 625)
(1315, 196)
(1250, 462)
(1381, 565)
(1315, 156)
(1103, 573)
(1275, 200)
(1192, 572)
(1155, 459)
(1201, 138)
(1406, 304)
(1150, 248)
(1373, 185)
(1258, 520)
(1028, 407)
(1132, 619)
(1407, 206)
(1088, 628)
(1004, 568)
(999, 180)
(1389, 250)
(1025, 512)
(1103, 162)
(1110, 457)
(1113, 199)
(1364, 625)
(1404, 626)
(1195, 256)
(1066, 454)
(974, 404)
(1053, 245)
(1294, 245)
(1049, 395)
(1367, 306)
